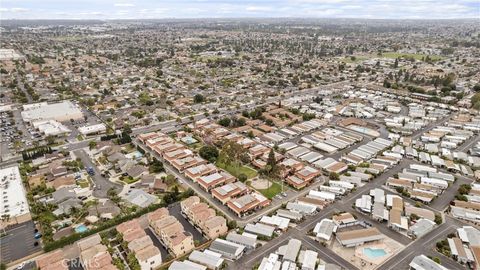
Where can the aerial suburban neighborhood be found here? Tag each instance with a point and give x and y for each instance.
(266, 144)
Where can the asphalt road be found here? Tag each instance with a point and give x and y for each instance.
(101, 184)
(18, 242)
(469, 143)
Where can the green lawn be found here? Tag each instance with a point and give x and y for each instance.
(270, 192)
(357, 58)
(236, 170)
(417, 56)
(83, 184)
(129, 180)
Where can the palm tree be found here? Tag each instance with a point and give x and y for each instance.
(5, 218)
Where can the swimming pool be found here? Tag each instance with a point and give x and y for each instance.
(374, 252)
(80, 229)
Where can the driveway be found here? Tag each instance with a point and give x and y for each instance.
(176, 211)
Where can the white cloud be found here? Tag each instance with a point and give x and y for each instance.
(258, 8)
(14, 10)
(124, 5)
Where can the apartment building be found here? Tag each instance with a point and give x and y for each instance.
(171, 232)
(204, 217)
(231, 190)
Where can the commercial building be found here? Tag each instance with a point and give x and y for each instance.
(14, 201)
(51, 128)
(92, 129)
(61, 112)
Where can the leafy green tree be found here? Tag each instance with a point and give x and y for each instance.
(242, 178)
(198, 98)
(92, 144)
(476, 88)
(231, 152)
(334, 176)
(209, 152)
(224, 122)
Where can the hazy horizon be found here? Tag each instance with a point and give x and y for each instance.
(203, 9)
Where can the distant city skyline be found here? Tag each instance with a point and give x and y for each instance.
(151, 9)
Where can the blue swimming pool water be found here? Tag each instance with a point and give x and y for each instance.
(80, 229)
(374, 252)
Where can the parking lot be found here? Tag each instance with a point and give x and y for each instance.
(14, 134)
(18, 242)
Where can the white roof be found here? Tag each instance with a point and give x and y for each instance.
(56, 111)
(278, 221)
(186, 265)
(309, 259)
(92, 129)
(14, 200)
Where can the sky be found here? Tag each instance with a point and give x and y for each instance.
(159, 9)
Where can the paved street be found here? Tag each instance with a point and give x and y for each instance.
(465, 147)
(432, 125)
(101, 184)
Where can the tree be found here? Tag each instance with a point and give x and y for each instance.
(156, 166)
(113, 196)
(198, 98)
(242, 177)
(334, 176)
(476, 101)
(231, 152)
(438, 219)
(476, 88)
(170, 179)
(92, 144)
(209, 152)
(50, 139)
(232, 224)
(224, 122)
(271, 167)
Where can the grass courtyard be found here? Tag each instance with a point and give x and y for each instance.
(273, 190)
(391, 55)
(416, 56)
(236, 169)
